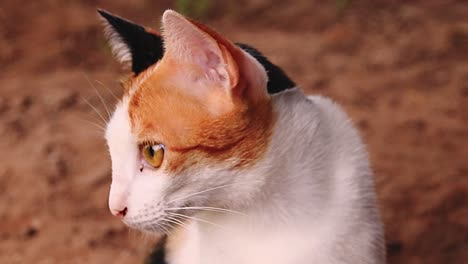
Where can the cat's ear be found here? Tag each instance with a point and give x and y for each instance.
(216, 59)
(133, 45)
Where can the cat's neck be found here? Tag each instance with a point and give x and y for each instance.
(307, 173)
(311, 186)
(294, 172)
(297, 164)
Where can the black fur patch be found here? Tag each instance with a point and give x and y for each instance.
(277, 80)
(146, 48)
(158, 255)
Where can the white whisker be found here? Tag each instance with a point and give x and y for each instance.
(169, 227)
(195, 219)
(173, 218)
(101, 128)
(178, 222)
(156, 227)
(205, 208)
(99, 96)
(95, 110)
(204, 191)
(109, 90)
(164, 228)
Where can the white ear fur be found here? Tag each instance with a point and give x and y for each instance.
(187, 43)
(119, 48)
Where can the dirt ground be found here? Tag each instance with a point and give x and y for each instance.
(399, 69)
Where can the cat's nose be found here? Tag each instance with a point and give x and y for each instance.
(118, 209)
(120, 213)
(118, 200)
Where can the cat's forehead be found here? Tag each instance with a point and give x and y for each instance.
(163, 104)
(160, 111)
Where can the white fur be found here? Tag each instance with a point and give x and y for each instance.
(119, 48)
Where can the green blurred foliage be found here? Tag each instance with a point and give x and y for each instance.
(197, 9)
(341, 5)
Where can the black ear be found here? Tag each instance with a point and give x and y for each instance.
(277, 79)
(132, 44)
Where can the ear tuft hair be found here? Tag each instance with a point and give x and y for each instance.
(133, 45)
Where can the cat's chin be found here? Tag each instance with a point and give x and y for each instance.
(163, 224)
(157, 228)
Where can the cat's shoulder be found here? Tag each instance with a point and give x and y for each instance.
(296, 101)
(329, 107)
(335, 121)
(308, 109)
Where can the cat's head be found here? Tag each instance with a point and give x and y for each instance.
(192, 126)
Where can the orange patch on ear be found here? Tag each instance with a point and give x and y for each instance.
(162, 111)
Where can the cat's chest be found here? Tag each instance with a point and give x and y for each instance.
(243, 247)
(242, 244)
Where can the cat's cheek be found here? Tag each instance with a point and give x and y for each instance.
(147, 192)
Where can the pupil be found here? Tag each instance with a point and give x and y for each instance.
(151, 151)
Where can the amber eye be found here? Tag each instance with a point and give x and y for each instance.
(153, 154)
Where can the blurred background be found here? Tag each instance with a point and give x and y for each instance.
(399, 68)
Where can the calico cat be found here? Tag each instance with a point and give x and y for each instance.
(214, 145)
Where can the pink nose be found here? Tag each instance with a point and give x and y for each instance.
(120, 213)
(118, 200)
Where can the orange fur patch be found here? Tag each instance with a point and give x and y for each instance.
(162, 111)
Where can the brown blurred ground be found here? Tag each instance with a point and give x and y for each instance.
(399, 69)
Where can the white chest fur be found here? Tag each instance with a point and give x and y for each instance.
(270, 243)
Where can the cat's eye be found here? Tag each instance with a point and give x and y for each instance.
(153, 154)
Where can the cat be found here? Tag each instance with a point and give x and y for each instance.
(216, 147)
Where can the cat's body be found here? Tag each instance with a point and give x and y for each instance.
(316, 204)
(245, 177)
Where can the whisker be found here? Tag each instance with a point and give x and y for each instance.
(108, 89)
(169, 227)
(99, 96)
(204, 191)
(95, 110)
(195, 219)
(154, 228)
(205, 208)
(173, 218)
(165, 230)
(101, 128)
(92, 121)
(172, 221)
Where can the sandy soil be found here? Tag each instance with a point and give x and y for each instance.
(400, 70)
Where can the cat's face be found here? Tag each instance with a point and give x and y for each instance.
(188, 129)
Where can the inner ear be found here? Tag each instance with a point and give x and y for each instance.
(250, 75)
(188, 44)
(133, 45)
